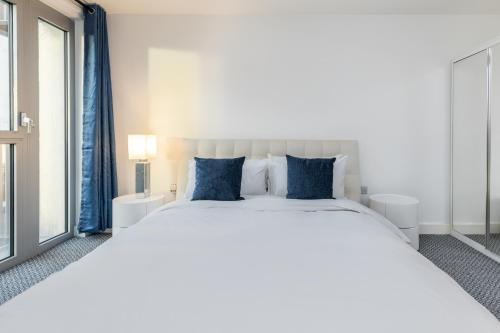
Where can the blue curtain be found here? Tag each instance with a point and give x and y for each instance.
(99, 183)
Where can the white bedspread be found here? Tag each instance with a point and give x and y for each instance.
(263, 265)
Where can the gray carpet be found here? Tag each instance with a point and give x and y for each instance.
(476, 273)
(21, 277)
(494, 242)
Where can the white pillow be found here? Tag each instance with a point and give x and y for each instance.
(191, 181)
(339, 168)
(278, 171)
(277, 175)
(253, 178)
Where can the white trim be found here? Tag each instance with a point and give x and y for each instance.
(476, 228)
(434, 228)
(437, 228)
(476, 246)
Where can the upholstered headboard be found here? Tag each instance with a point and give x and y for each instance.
(185, 149)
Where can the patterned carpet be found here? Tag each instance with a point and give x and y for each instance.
(21, 277)
(476, 273)
(494, 243)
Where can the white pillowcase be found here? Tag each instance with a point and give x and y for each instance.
(253, 178)
(191, 179)
(277, 175)
(278, 179)
(339, 168)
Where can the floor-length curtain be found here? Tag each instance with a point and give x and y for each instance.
(99, 182)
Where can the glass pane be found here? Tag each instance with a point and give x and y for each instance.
(470, 119)
(494, 237)
(6, 221)
(52, 130)
(5, 65)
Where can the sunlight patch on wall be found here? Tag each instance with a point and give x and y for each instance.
(174, 93)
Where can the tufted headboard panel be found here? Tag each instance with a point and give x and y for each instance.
(185, 149)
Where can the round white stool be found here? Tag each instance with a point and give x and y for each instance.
(401, 210)
(130, 209)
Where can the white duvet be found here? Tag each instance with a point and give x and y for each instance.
(263, 265)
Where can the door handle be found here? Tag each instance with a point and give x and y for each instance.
(26, 121)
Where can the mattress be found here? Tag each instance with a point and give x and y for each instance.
(264, 264)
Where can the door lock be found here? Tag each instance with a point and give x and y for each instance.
(26, 121)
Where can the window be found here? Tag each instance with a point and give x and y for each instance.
(52, 106)
(6, 65)
(6, 150)
(36, 208)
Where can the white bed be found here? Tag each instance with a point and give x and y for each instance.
(265, 264)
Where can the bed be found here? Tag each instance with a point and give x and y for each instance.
(264, 264)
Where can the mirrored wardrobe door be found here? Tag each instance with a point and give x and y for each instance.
(493, 236)
(469, 149)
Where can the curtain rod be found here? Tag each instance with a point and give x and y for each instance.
(86, 6)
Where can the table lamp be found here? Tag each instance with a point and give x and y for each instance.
(140, 149)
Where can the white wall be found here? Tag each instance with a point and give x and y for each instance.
(383, 80)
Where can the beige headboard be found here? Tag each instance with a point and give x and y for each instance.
(185, 149)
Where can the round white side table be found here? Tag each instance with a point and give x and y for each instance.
(401, 210)
(130, 209)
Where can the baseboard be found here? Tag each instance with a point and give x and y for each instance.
(434, 228)
(468, 228)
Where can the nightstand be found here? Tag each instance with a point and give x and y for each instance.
(130, 209)
(401, 210)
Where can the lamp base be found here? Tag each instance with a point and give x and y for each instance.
(142, 178)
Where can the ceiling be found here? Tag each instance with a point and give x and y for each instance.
(269, 7)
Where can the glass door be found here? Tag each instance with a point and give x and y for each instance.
(10, 140)
(36, 124)
(493, 231)
(50, 144)
(52, 147)
(469, 149)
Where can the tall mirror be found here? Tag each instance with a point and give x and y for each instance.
(475, 126)
(469, 153)
(494, 151)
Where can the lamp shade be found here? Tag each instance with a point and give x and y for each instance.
(141, 147)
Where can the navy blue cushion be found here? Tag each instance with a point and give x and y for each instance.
(310, 178)
(218, 178)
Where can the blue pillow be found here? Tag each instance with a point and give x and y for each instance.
(218, 179)
(310, 178)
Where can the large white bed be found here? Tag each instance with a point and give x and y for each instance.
(264, 264)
